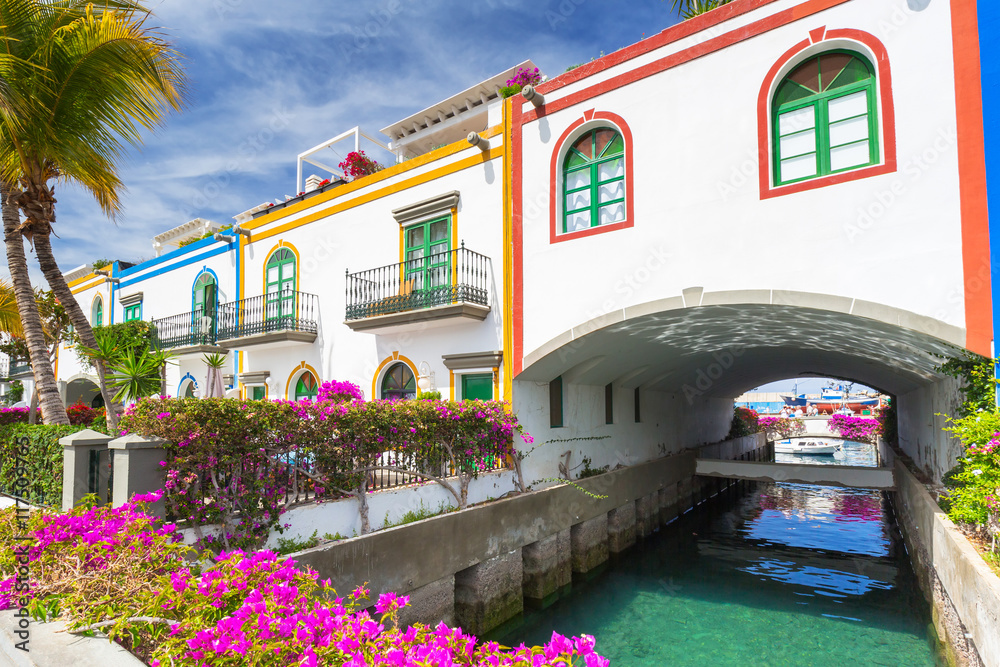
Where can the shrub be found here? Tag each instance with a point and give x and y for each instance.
(976, 478)
(888, 424)
(779, 428)
(859, 429)
(17, 415)
(41, 461)
(525, 77)
(118, 570)
(357, 165)
(230, 462)
(509, 91)
(16, 391)
(339, 392)
(745, 422)
(80, 414)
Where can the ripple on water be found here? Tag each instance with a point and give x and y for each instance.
(786, 575)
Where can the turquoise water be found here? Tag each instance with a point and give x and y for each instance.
(781, 574)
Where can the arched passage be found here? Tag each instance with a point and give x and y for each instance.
(680, 362)
(84, 389)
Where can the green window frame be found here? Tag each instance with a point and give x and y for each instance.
(258, 393)
(97, 312)
(306, 387)
(279, 283)
(594, 180)
(133, 312)
(427, 247)
(399, 383)
(825, 118)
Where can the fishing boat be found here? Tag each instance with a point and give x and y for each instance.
(800, 446)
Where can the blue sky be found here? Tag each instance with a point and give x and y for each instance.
(271, 79)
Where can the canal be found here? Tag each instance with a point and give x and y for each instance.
(765, 574)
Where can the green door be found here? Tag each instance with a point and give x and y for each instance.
(280, 285)
(477, 387)
(428, 261)
(203, 317)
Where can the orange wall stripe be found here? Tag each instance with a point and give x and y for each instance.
(972, 178)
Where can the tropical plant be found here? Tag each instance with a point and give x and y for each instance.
(71, 105)
(357, 165)
(779, 428)
(691, 8)
(114, 342)
(99, 264)
(10, 319)
(136, 374)
(979, 384)
(858, 429)
(53, 410)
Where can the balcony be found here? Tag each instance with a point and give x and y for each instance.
(18, 368)
(443, 286)
(187, 333)
(280, 318)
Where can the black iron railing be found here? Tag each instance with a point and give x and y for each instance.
(195, 328)
(279, 311)
(456, 276)
(18, 367)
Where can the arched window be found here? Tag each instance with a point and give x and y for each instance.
(189, 390)
(594, 181)
(306, 387)
(824, 118)
(398, 382)
(97, 312)
(280, 284)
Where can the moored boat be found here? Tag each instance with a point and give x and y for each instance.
(799, 446)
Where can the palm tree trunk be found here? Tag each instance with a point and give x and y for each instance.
(57, 283)
(53, 410)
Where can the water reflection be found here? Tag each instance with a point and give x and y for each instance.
(782, 575)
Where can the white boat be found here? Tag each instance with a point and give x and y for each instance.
(819, 447)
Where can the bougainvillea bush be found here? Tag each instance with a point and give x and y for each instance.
(779, 428)
(120, 571)
(858, 429)
(974, 484)
(339, 392)
(357, 165)
(17, 415)
(231, 462)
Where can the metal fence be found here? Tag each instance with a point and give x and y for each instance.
(18, 367)
(279, 311)
(456, 276)
(195, 328)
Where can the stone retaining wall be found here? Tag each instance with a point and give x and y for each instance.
(962, 589)
(481, 565)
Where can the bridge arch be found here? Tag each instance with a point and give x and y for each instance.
(695, 352)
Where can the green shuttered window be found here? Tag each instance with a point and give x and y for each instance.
(594, 181)
(825, 118)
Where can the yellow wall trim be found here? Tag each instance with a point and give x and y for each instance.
(377, 177)
(84, 288)
(378, 194)
(84, 278)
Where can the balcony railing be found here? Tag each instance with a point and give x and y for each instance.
(18, 367)
(279, 311)
(456, 276)
(194, 328)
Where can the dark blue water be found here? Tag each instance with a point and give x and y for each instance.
(781, 574)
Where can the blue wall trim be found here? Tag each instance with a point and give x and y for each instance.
(183, 380)
(173, 254)
(187, 262)
(989, 57)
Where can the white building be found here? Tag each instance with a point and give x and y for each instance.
(774, 188)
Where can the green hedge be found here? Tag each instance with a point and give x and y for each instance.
(42, 467)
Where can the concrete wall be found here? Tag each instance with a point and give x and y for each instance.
(669, 423)
(964, 591)
(526, 546)
(921, 420)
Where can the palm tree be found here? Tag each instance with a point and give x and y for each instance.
(10, 319)
(98, 77)
(53, 410)
(691, 8)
